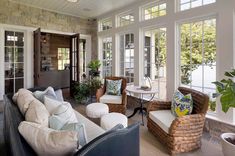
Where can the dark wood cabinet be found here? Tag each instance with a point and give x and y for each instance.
(56, 60)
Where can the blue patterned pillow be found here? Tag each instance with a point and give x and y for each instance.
(113, 87)
(181, 104)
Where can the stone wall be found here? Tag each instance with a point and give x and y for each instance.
(215, 128)
(16, 14)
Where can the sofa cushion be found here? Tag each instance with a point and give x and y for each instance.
(113, 87)
(15, 96)
(181, 104)
(46, 141)
(63, 114)
(48, 92)
(92, 130)
(162, 118)
(37, 113)
(114, 99)
(24, 99)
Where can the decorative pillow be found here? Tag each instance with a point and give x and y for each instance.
(24, 99)
(15, 96)
(113, 87)
(59, 95)
(37, 113)
(48, 92)
(51, 104)
(78, 127)
(63, 114)
(181, 104)
(46, 141)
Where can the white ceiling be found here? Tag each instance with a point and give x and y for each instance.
(83, 8)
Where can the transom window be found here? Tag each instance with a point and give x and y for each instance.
(107, 57)
(63, 58)
(105, 24)
(198, 56)
(154, 10)
(127, 57)
(155, 59)
(188, 4)
(126, 19)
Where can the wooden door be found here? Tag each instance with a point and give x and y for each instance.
(74, 62)
(37, 55)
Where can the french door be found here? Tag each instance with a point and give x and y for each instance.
(74, 62)
(14, 61)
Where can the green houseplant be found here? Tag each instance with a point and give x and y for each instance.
(94, 66)
(226, 92)
(82, 91)
(86, 89)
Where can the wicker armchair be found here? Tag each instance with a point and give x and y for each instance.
(114, 107)
(184, 132)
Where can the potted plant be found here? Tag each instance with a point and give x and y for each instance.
(82, 92)
(94, 66)
(226, 92)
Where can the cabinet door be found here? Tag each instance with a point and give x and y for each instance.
(37, 55)
(74, 61)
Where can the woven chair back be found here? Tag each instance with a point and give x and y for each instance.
(116, 78)
(200, 100)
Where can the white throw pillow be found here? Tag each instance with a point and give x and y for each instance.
(59, 95)
(24, 99)
(63, 114)
(52, 104)
(80, 128)
(22, 90)
(48, 92)
(46, 141)
(37, 113)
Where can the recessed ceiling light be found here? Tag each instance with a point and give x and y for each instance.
(73, 1)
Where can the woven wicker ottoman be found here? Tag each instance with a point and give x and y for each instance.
(96, 110)
(110, 120)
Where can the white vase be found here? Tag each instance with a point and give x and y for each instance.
(227, 147)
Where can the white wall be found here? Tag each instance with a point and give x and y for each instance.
(222, 10)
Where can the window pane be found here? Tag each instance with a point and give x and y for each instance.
(188, 4)
(155, 59)
(155, 11)
(198, 55)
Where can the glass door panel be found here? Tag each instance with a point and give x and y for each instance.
(14, 61)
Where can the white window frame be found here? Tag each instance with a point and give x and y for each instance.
(178, 47)
(125, 14)
(102, 57)
(190, 3)
(123, 61)
(150, 5)
(150, 46)
(101, 23)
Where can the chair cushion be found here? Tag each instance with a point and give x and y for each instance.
(162, 118)
(181, 104)
(113, 87)
(114, 99)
